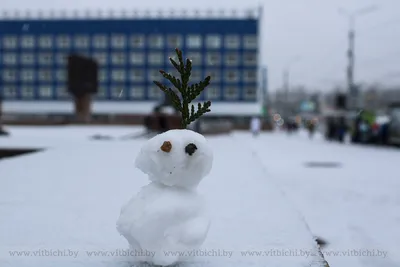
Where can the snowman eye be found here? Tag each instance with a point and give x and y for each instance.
(166, 146)
(190, 149)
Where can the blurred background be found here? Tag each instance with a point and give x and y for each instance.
(332, 65)
(313, 75)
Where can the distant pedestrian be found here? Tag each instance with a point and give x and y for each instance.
(255, 126)
(2, 131)
(311, 129)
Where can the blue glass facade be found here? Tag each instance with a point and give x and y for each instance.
(130, 53)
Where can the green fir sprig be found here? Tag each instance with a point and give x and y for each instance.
(189, 92)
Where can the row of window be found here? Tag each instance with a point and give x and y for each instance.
(121, 41)
(133, 58)
(118, 92)
(122, 75)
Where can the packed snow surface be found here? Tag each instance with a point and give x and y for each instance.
(59, 207)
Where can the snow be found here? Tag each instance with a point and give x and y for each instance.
(356, 207)
(168, 215)
(67, 199)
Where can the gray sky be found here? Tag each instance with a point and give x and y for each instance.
(308, 35)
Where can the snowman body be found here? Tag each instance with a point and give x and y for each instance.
(167, 219)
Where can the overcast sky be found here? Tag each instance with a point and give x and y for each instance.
(310, 36)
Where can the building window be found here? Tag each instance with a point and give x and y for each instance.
(118, 41)
(100, 41)
(10, 42)
(117, 91)
(213, 41)
(118, 75)
(156, 41)
(61, 59)
(174, 41)
(232, 59)
(250, 41)
(137, 41)
(45, 75)
(155, 93)
(61, 75)
(118, 59)
(231, 76)
(27, 59)
(10, 59)
(28, 42)
(193, 41)
(154, 75)
(81, 41)
(250, 93)
(46, 41)
(250, 75)
(45, 91)
(101, 58)
(9, 75)
(45, 59)
(27, 92)
(137, 58)
(10, 91)
(213, 59)
(27, 75)
(156, 58)
(137, 75)
(215, 75)
(250, 59)
(212, 93)
(232, 41)
(196, 58)
(62, 92)
(63, 41)
(103, 76)
(136, 92)
(231, 92)
(196, 76)
(101, 93)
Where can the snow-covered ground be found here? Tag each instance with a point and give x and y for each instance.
(67, 199)
(262, 195)
(355, 207)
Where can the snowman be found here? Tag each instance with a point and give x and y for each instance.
(167, 219)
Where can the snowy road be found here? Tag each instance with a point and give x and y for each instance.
(355, 207)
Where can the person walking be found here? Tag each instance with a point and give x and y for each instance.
(255, 126)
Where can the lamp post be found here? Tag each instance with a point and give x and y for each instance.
(351, 16)
(286, 83)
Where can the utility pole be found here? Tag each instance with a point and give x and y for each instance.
(352, 90)
(350, 68)
(264, 89)
(286, 85)
(286, 92)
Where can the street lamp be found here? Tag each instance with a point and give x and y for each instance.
(286, 81)
(351, 16)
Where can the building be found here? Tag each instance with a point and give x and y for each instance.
(130, 51)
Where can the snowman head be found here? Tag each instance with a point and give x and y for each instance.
(179, 158)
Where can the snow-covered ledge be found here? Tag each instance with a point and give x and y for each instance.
(66, 200)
